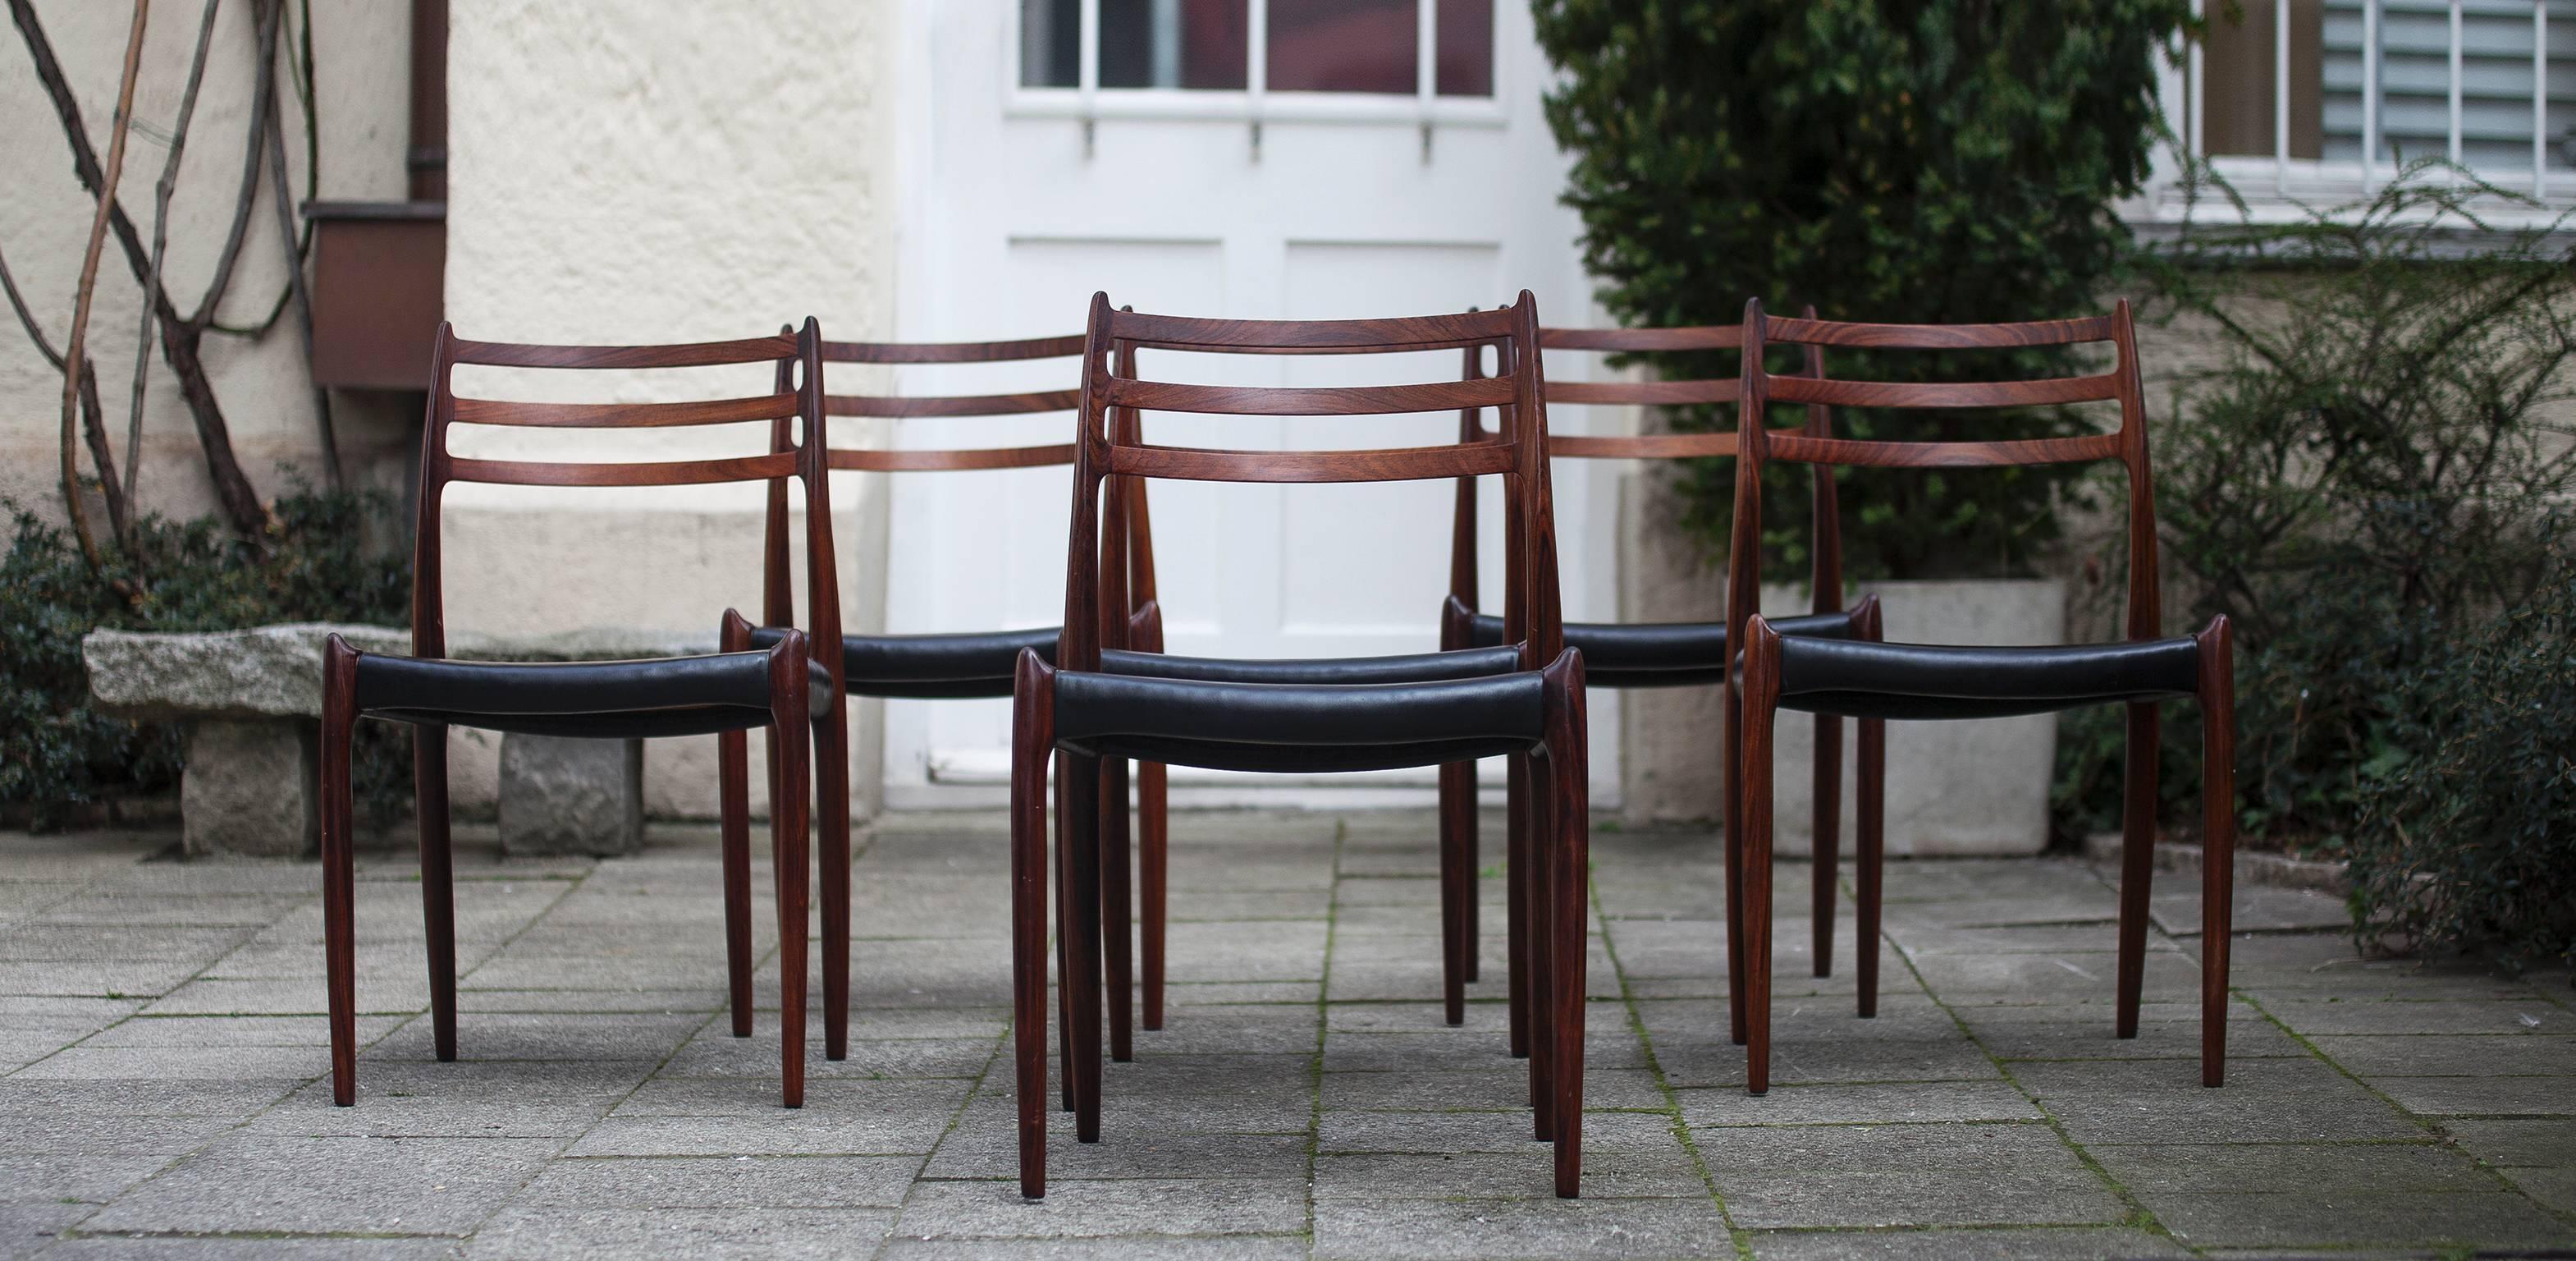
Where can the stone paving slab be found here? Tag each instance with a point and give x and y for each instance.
(163, 1088)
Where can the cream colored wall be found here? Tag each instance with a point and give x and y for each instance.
(361, 50)
(712, 172)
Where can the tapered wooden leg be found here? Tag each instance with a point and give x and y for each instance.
(1543, 916)
(733, 823)
(1153, 878)
(1516, 882)
(1081, 779)
(2137, 865)
(1117, 911)
(1570, 839)
(789, 827)
(832, 806)
(1457, 887)
(1870, 846)
(1732, 721)
(437, 883)
(339, 893)
(1064, 920)
(1761, 695)
(1828, 834)
(2218, 842)
(1032, 741)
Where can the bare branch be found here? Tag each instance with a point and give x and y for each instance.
(160, 250)
(27, 318)
(76, 341)
(285, 205)
(263, 97)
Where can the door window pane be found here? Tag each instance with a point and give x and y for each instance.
(1050, 43)
(1342, 45)
(1173, 44)
(1466, 48)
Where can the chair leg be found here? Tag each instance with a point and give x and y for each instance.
(832, 804)
(1828, 836)
(437, 882)
(1731, 708)
(1033, 738)
(339, 892)
(1117, 910)
(2137, 865)
(1543, 916)
(1153, 879)
(1570, 848)
(733, 816)
(1516, 881)
(2218, 842)
(1064, 920)
(1759, 714)
(789, 828)
(1457, 888)
(1081, 779)
(1870, 854)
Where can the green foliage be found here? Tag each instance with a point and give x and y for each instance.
(2372, 487)
(2470, 838)
(318, 564)
(1886, 160)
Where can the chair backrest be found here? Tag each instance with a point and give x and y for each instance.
(1827, 546)
(1517, 451)
(2120, 384)
(794, 411)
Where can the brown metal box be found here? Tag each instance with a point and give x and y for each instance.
(379, 291)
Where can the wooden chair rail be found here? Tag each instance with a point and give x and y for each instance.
(1806, 450)
(2097, 328)
(1393, 464)
(2040, 393)
(1384, 336)
(1631, 340)
(692, 355)
(1359, 400)
(714, 411)
(900, 461)
(749, 468)
(952, 404)
(953, 352)
(1643, 393)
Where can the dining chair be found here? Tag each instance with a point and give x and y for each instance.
(1917, 682)
(1080, 715)
(1649, 655)
(929, 666)
(782, 689)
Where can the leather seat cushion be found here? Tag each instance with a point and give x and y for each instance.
(668, 696)
(1943, 681)
(1656, 654)
(1280, 727)
(932, 667)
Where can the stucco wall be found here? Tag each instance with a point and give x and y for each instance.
(711, 171)
(362, 76)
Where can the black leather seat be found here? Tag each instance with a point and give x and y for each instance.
(1652, 654)
(1941, 681)
(667, 696)
(946, 666)
(1297, 727)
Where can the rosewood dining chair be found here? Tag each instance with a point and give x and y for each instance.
(1213, 713)
(927, 666)
(783, 689)
(1916, 682)
(1644, 655)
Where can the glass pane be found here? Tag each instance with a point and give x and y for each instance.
(1466, 48)
(1173, 44)
(1050, 43)
(1342, 45)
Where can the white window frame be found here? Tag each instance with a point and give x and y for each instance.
(2283, 189)
(1256, 103)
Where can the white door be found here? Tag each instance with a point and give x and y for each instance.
(1288, 159)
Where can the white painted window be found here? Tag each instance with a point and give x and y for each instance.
(2324, 102)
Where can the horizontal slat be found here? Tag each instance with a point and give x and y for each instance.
(1387, 465)
(1706, 337)
(1648, 446)
(953, 352)
(664, 473)
(1644, 393)
(1356, 400)
(951, 461)
(952, 404)
(714, 411)
(1425, 332)
(681, 355)
(2038, 393)
(1808, 450)
(2096, 328)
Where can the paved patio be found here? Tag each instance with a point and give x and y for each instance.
(161, 1052)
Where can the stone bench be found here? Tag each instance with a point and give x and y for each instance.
(251, 704)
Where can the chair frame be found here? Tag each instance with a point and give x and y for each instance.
(800, 460)
(1106, 455)
(1142, 629)
(1751, 707)
(1457, 813)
